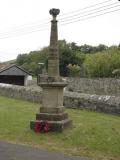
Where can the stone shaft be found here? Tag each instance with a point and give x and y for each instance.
(53, 57)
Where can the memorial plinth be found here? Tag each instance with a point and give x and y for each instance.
(52, 109)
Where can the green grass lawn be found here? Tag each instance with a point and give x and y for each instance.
(93, 134)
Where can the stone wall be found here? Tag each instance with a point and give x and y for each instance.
(32, 82)
(99, 86)
(101, 103)
(33, 94)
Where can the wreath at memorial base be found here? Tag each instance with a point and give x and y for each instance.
(41, 126)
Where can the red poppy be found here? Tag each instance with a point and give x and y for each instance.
(46, 127)
(37, 127)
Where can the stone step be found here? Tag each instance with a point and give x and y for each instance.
(51, 110)
(55, 126)
(51, 117)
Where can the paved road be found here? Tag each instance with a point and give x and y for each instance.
(10, 151)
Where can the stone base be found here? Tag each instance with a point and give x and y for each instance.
(54, 110)
(57, 121)
(55, 126)
(51, 116)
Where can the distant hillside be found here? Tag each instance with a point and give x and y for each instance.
(10, 61)
(84, 60)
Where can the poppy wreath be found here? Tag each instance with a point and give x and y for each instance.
(41, 127)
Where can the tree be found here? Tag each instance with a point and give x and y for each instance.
(67, 55)
(30, 61)
(21, 59)
(102, 64)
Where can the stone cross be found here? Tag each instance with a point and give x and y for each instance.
(53, 57)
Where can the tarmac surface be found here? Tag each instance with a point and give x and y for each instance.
(9, 151)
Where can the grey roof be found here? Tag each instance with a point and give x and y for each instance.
(13, 70)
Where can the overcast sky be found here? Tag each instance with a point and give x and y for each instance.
(18, 17)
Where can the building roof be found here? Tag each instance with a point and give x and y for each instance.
(12, 70)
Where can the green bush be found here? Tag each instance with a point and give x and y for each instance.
(102, 64)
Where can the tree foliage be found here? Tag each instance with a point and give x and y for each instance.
(67, 56)
(31, 61)
(102, 64)
(93, 61)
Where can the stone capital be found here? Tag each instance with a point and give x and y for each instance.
(54, 12)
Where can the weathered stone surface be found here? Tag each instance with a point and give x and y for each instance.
(54, 12)
(51, 116)
(55, 126)
(101, 103)
(33, 94)
(99, 86)
(52, 97)
(59, 109)
(52, 109)
(53, 56)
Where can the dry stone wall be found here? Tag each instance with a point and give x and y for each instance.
(100, 103)
(99, 86)
(33, 94)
